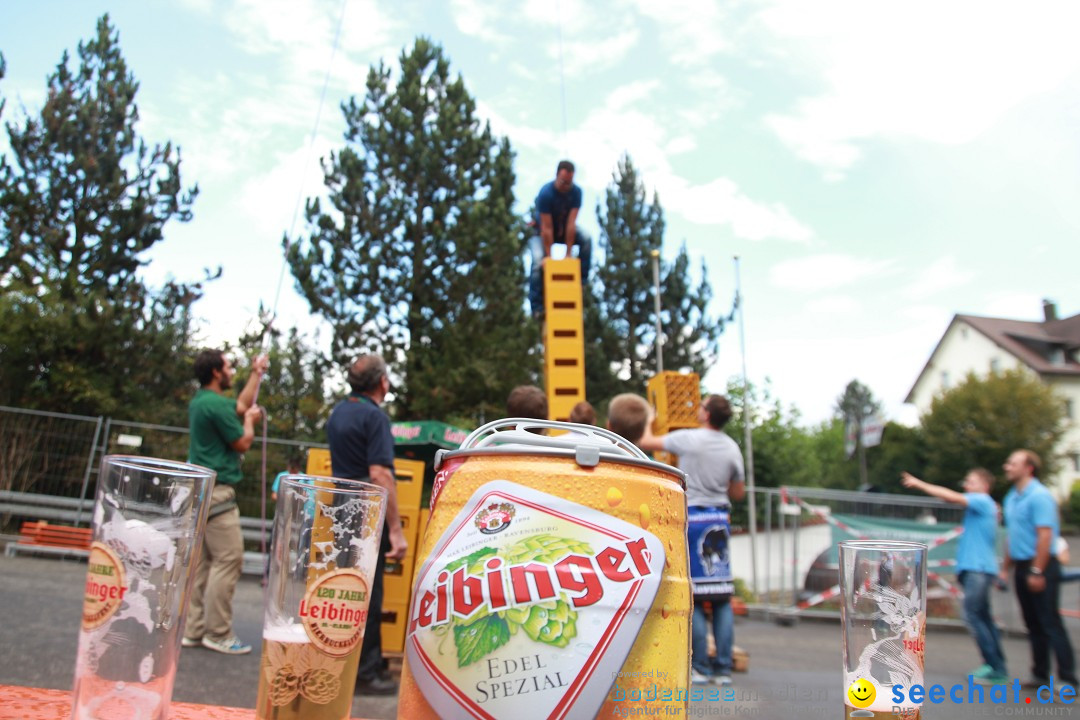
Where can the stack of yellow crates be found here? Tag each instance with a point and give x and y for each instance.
(397, 581)
(675, 398)
(564, 342)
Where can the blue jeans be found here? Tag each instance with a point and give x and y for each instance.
(723, 630)
(582, 242)
(979, 619)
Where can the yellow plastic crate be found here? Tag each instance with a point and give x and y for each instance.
(318, 462)
(394, 621)
(398, 579)
(676, 398)
(410, 483)
(564, 343)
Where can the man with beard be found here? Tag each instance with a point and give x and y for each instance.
(218, 436)
(1031, 519)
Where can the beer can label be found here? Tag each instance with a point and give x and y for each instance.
(106, 586)
(528, 606)
(334, 611)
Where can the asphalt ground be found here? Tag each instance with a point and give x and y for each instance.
(794, 672)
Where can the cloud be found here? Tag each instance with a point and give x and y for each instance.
(826, 272)
(834, 305)
(721, 202)
(1011, 305)
(625, 123)
(478, 19)
(692, 31)
(939, 73)
(631, 94)
(599, 52)
(940, 275)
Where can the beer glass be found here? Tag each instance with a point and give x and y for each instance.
(883, 616)
(149, 517)
(327, 534)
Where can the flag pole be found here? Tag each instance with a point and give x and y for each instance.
(659, 329)
(748, 450)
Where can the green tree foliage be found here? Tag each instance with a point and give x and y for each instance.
(294, 390)
(901, 449)
(855, 407)
(783, 450)
(82, 198)
(418, 255)
(981, 420)
(622, 321)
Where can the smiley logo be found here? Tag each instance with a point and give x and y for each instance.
(861, 693)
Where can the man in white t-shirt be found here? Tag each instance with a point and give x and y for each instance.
(714, 477)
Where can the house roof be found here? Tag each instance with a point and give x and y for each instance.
(1030, 342)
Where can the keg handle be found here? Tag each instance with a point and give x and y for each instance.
(585, 440)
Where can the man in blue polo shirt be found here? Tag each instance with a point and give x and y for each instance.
(362, 448)
(557, 207)
(976, 564)
(1031, 519)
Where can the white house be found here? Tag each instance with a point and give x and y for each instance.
(1049, 350)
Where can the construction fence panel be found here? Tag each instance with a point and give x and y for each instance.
(56, 455)
(45, 452)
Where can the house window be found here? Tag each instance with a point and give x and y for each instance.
(944, 379)
(1069, 409)
(995, 365)
(1075, 457)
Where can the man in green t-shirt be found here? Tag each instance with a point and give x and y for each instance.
(221, 429)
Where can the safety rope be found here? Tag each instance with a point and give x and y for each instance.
(562, 77)
(267, 334)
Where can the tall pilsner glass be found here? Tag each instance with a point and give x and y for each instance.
(149, 517)
(883, 585)
(326, 544)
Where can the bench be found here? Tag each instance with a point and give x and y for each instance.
(42, 537)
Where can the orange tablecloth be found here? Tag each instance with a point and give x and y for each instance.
(24, 703)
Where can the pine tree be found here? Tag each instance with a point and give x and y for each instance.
(856, 406)
(294, 389)
(623, 325)
(82, 199)
(418, 256)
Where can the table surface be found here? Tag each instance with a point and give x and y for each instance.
(26, 703)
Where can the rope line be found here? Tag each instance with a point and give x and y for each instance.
(266, 339)
(562, 77)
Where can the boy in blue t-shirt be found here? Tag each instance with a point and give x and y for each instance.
(976, 564)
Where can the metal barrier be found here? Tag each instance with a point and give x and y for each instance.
(798, 530)
(56, 456)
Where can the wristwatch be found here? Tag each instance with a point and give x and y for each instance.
(1034, 570)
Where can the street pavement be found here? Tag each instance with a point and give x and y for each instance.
(794, 671)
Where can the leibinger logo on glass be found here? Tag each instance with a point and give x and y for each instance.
(495, 518)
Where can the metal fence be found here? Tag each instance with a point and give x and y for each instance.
(796, 545)
(58, 455)
(796, 559)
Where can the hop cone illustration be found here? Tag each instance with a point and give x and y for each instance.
(320, 686)
(284, 686)
(553, 622)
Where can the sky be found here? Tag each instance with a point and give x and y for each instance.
(876, 167)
